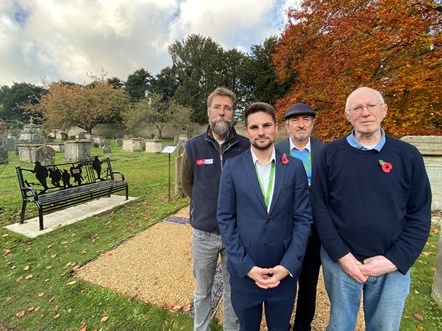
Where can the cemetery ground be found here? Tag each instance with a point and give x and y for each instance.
(39, 288)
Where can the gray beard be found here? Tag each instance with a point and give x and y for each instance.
(221, 128)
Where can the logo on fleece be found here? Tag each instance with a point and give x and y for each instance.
(204, 162)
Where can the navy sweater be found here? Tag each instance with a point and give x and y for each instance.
(359, 208)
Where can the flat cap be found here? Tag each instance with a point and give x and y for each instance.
(299, 109)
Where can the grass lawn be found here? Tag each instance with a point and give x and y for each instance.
(38, 291)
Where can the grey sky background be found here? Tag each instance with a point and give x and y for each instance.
(51, 40)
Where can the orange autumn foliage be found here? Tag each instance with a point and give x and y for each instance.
(333, 47)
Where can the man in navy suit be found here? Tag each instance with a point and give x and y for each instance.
(299, 122)
(264, 216)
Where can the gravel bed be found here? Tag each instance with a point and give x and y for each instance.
(155, 266)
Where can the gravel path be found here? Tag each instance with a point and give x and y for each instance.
(155, 266)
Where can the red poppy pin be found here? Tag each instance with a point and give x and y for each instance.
(385, 166)
(284, 159)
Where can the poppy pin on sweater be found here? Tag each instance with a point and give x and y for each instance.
(385, 166)
(284, 159)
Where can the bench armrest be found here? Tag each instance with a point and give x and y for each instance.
(119, 173)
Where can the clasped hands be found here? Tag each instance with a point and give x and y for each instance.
(373, 266)
(268, 277)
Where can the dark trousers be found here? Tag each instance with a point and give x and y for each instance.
(248, 301)
(308, 281)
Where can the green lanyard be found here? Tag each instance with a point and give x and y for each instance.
(309, 160)
(266, 194)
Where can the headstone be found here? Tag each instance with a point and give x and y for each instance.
(76, 132)
(61, 135)
(31, 133)
(57, 147)
(4, 155)
(26, 152)
(81, 135)
(106, 149)
(132, 145)
(153, 146)
(45, 155)
(11, 143)
(436, 292)
(77, 150)
(431, 149)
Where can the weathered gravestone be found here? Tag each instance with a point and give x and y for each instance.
(26, 152)
(132, 145)
(153, 146)
(3, 155)
(431, 149)
(45, 155)
(77, 150)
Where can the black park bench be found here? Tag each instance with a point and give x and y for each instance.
(56, 186)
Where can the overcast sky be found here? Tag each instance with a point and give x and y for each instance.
(55, 40)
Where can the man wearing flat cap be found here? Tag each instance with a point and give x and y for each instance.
(299, 122)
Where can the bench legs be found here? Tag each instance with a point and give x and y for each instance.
(23, 210)
(40, 219)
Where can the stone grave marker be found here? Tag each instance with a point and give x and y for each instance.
(45, 155)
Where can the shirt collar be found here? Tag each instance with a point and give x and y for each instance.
(354, 143)
(272, 158)
(307, 147)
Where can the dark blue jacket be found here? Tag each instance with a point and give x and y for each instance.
(203, 160)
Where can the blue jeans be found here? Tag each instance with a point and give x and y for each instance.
(206, 248)
(383, 296)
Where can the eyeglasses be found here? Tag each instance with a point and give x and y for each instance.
(359, 109)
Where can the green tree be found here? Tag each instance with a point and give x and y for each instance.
(115, 82)
(149, 111)
(165, 83)
(198, 62)
(15, 99)
(259, 77)
(137, 84)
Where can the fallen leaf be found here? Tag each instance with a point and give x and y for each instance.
(19, 279)
(26, 268)
(49, 246)
(6, 252)
(104, 319)
(72, 282)
(21, 313)
(76, 268)
(29, 309)
(49, 267)
(427, 253)
(83, 328)
(53, 256)
(51, 299)
(29, 276)
(41, 294)
(56, 316)
(419, 317)
(420, 328)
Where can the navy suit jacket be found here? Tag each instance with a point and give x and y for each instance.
(253, 236)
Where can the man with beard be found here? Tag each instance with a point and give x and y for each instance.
(299, 122)
(264, 216)
(203, 159)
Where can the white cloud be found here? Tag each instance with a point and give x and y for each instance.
(64, 39)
